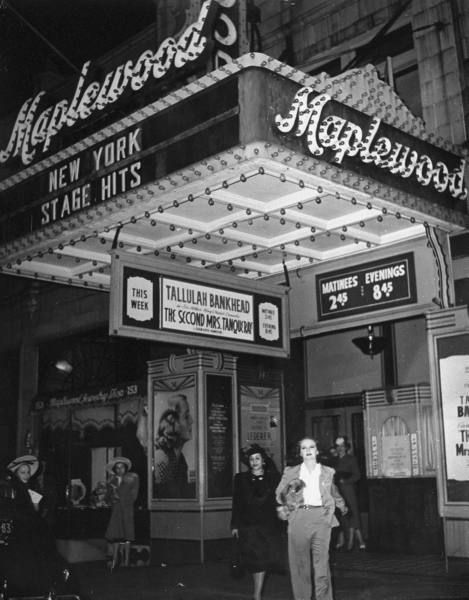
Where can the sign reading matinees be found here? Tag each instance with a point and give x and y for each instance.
(151, 299)
(376, 285)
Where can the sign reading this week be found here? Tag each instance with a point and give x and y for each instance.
(371, 286)
(152, 299)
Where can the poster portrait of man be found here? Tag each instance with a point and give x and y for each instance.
(174, 457)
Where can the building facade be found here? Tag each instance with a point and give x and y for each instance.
(287, 185)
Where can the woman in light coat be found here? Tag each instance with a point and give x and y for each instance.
(308, 498)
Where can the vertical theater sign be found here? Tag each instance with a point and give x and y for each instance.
(214, 35)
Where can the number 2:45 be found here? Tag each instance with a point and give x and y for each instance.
(338, 301)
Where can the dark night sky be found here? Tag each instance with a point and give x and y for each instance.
(79, 29)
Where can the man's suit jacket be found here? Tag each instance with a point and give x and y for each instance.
(290, 495)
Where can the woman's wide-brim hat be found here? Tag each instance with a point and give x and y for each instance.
(118, 459)
(27, 459)
(250, 450)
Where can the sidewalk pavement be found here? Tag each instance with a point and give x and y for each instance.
(356, 576)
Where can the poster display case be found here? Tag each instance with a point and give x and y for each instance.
(401, 470)
(400, 432)
(191, 436)
(261, 418)
(449, 344)
(448, 337)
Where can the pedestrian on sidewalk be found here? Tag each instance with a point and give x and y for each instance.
(122, 492)
(308, 498)
(254, 521)
(346, 477)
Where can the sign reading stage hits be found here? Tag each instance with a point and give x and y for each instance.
(371, 286)
(153, 299)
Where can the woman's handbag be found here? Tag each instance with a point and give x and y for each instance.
(236, 568)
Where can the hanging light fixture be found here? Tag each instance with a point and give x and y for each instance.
(370, 344)
(63, 366)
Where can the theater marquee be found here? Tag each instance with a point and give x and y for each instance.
(163, 302)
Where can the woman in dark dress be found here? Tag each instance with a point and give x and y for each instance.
(30, 562)
(347, 475)
(254, 518)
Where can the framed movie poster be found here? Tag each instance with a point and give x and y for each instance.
(174, 438)
(260, 420)
(453, 363)
(219, 427)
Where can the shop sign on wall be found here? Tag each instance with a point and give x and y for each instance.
(371, 286)
(156, 300)
(105, 395)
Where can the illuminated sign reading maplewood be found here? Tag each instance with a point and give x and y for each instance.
(36, 126)
(372, 286)
(155, 300)
(344, 136)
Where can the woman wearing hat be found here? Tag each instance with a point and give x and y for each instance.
(254, 519)
(31, 562)
(123, 488)
(23, 468)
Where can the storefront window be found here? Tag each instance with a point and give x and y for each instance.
(80, 433)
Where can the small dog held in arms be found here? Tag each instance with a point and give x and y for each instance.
(291, 497)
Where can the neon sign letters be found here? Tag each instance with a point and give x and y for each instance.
(34, 131)
(346, 138)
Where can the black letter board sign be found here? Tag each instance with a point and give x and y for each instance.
(371, 286)
(157, 300)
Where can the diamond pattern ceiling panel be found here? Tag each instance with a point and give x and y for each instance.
(252, 219)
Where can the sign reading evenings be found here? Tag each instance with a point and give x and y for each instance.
(152, 299)
(372, 286)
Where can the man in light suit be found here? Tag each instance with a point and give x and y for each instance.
(308, 498)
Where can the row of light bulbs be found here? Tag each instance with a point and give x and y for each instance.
(207, 192)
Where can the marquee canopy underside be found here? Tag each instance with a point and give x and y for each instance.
(248, 211)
